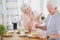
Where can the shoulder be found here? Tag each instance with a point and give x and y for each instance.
(48, 16)
(57, 15)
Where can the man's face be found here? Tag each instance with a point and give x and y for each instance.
(50, 8)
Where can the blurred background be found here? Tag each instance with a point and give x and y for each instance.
(11, 13)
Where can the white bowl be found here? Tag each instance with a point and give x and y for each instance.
(22, 34)
(29, 35)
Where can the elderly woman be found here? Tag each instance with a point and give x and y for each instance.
(29, 19)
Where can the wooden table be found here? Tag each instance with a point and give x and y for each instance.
(17, 37)
(27, 38)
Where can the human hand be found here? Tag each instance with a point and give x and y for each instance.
(37, 25)
(41, 36)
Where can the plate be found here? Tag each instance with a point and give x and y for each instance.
(29, 35)
(40, 31)
(10, 35)
(22, 34)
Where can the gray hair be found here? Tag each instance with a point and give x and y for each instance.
(24, 6)
(54, 3)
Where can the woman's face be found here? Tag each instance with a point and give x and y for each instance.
(28, 10)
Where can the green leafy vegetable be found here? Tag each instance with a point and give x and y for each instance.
(42, 18)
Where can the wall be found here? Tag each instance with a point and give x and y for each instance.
(12, 12)
(1, 11)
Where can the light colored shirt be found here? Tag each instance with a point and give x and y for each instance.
(32, 24)
(26, 21)
(53, 24)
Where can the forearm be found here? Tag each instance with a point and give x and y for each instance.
(54, 36)
(43, 28)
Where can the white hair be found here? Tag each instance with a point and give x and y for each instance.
(54, 3)
(24, 6)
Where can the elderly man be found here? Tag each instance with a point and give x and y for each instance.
(52, 24)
